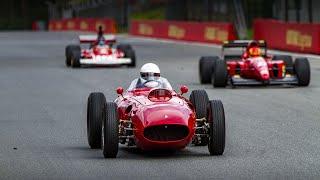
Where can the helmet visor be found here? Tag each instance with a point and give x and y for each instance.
(148, 76)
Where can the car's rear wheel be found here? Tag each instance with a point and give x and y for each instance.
(75, 57)
(128, 53)
(199, 100)
(110, 134)
(206, 67)
(68, 53)
(95, 117)
(302, 70)
(219, 77)
(287, 61)
(216, 118)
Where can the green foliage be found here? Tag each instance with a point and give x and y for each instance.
(249, 33)
(154, 13)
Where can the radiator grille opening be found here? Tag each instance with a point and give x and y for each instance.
(166, 132)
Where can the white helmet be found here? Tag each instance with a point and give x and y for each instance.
(150, 71)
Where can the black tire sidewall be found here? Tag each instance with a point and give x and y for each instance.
(206, 67)
(75, 57)
(95, 117)
(302, 70)
(216, 118)
(199, 100)
(111, 130)
(219, 77)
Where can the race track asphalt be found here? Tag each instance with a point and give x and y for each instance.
(272, 132)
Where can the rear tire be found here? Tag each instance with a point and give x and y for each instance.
(206, 67)
(68, 53)
(302, 70)
(95, 117)
(75, 57)
(287, 61)
(216, 118)
(220, 75)
(110, 136)
(128, 53)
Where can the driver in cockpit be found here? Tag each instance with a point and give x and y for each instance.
(150, 78)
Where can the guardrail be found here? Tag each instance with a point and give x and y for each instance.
(83, 24)
(304, 38)
(188, 31)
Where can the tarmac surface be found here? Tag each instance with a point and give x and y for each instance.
(272, 132)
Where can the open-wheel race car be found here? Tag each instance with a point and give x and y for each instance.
(247, 63)
(155, 118)
(99, 52)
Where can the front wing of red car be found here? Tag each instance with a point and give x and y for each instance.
(239, 81)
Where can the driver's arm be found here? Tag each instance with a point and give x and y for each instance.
(133, 84)
(166, 83)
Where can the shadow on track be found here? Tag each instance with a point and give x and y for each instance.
(83, 152)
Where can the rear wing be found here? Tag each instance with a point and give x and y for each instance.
(243, 43)
(93, 38)
(240, 44)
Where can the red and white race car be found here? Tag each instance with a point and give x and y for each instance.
(252, 66)
(100, 52)
(155, 118)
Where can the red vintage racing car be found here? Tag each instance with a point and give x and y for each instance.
(252, 66)
(99, 52)
(155, 119)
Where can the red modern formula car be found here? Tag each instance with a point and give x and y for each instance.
(155, 119)
(252, 66)
(100, 52)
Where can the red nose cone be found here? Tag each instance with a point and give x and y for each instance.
(265, 76)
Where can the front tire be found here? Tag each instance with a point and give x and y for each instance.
(220, 75)
(110, 136)
(302, 70)
(95, 117)
(206, 67)
(216, 118)
(199, 99)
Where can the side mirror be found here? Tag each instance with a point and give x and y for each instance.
(120, 91)
(184, 89)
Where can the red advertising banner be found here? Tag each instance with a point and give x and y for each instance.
(83, 24)
(296, 37)
(188, 31)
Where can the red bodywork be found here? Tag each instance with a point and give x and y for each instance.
(155, 119)
(101, 51)
(258, 68)
(97, 52)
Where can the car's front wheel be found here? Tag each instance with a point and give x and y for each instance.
(110, 131)
(95, 117)
(206, 67)
(219, 77)
(216, 118)
(302, 70)
(199, 100)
